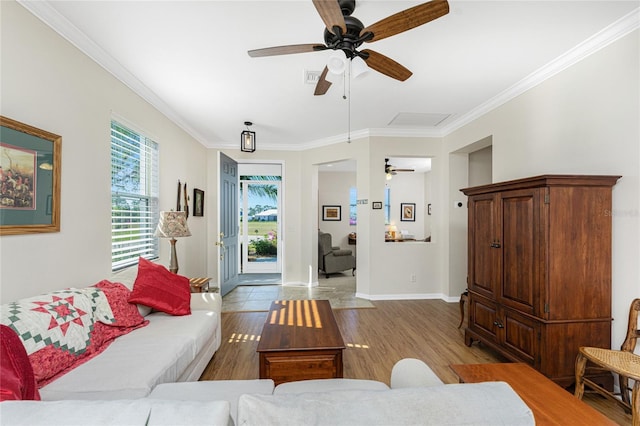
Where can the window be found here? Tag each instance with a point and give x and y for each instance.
(134, 196)
(353, 205)
(387, 206)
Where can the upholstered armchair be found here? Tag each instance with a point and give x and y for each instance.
(333, 259)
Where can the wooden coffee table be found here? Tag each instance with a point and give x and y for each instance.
(551, 404)
(300, 340)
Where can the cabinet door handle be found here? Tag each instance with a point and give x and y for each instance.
(498, 324)
(495, 244)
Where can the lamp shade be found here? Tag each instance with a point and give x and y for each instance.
(358, 67)
(172, 225)
(337, 62)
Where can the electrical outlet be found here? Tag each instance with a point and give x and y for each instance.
(412, 278)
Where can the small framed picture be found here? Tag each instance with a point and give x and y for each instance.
(408, 212)
(332, 213)
(198, 202)
(429, 209)
(377, 205)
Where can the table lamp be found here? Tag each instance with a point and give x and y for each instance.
(173, 225)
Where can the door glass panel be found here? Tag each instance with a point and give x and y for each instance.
(260, 226)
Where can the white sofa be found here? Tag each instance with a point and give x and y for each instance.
(416, 397)
(169, 349)
(312, 402)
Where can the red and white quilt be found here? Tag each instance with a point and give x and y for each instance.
(63, 328)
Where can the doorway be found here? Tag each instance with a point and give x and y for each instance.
(260, 216)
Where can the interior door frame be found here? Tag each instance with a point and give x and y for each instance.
(282, 214)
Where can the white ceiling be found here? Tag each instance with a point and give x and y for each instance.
(189, 59)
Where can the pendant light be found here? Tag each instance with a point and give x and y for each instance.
(248, 139)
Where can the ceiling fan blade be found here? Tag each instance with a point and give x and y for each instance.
(331, 14)
(386, 65)
(286, 50)
(404, 170)
(407, 19)
(323, 85)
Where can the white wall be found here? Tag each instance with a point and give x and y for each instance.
(584, 120)
(480, 166)
(49, 84)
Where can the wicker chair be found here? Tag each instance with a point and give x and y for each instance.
(623, 362)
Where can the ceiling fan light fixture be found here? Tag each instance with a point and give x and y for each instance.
(248, 139)
(337, 62)
(358, 67)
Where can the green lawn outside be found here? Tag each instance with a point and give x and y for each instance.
(262, 228)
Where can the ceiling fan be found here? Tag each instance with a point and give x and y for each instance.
(390, 170)
(345, 32)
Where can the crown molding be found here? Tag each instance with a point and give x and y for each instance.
(603, 38)
(51, 17)
(47, 14)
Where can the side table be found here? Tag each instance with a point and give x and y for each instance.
(199, 285)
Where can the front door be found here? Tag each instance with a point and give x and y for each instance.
(228, 253)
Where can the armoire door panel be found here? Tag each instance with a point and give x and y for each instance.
(521, 336)
(483, 256)
(520, 260)
(483, 317)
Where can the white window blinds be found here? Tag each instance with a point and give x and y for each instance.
(134, 196)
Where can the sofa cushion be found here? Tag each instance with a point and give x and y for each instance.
(328, 385)
(157, 287)
(122, 412)
(213, 390)
(489, 403)
(62, 329)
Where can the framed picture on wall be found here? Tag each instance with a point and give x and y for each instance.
(198, 202)
(408, 212)
(332, 213)
(377, 205)
(30, 175)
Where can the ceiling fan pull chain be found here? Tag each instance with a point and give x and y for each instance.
(348, 78)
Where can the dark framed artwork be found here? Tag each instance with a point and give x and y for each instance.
(198, 202)
(408, 212)
(429, 209)
(30, 162)
(330, 213)
(376, 205)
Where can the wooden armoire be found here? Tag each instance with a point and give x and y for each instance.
(539, 269)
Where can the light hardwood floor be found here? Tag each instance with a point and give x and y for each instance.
(376, 339)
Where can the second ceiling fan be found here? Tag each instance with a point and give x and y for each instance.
(390, 170)
(346, 33)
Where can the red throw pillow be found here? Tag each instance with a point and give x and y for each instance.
(164, 291)
(125, 313)
(18, 381)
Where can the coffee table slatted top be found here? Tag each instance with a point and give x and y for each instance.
(300, 325)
